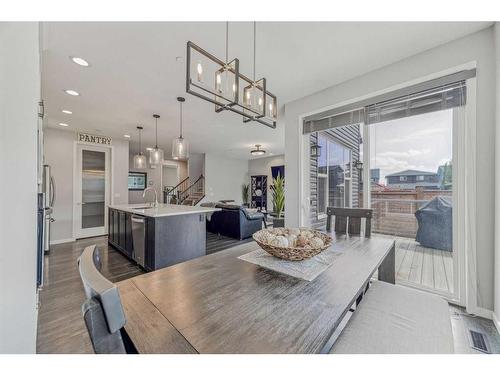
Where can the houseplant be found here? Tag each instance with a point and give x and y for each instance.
(245, 190)
(278, 193)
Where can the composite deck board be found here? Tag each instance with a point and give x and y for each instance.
(404, 269)
(439, 271)
(416, 266)
(448, 267)
(422, 266)
(428, 268)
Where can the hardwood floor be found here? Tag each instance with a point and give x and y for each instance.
(217, 243)
(60, 324)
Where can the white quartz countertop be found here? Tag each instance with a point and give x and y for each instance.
(144, 209)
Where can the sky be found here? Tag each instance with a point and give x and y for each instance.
(421, 142)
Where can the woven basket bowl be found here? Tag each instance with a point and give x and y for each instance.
(293, 253)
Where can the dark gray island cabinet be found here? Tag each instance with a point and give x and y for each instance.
(158, 237)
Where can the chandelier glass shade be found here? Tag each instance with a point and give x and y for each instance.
(140, 158)
(180, 146)
(156, 153)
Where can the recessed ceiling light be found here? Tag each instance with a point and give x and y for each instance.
(71, 92)
(271, 153)
(126, 135)
(79, 61)
(149, 148)
(63, 124)
(67, 112)
(179, 59)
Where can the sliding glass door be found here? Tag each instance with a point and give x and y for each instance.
(412, 196)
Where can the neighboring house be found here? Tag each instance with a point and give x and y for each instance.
(333, 179)
(375, 175)
(410, 179)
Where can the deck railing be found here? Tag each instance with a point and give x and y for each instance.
(396, 216)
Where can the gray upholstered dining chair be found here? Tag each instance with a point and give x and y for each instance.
(348, 220)
(102, 311)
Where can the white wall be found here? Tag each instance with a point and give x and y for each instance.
(169, 175)
(19, 95)
(196, 166)
(59, 152)
(262, 166)
(478, 47)
(224, 178)
(496, 316)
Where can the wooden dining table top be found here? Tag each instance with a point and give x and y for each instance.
(221, 304)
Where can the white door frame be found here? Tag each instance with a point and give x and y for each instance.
(466, 240)
(78, 232)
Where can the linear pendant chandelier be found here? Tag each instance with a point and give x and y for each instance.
(221, 83)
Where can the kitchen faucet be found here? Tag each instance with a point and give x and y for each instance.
(155, 203)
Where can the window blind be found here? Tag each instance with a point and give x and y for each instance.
(434, 95)
(348, 118)
(437, 99)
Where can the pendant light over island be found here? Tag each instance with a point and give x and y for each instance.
(140, 158)
(156, 154)
(180, 146)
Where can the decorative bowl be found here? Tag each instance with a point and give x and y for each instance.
(308, 242)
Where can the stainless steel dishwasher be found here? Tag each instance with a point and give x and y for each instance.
(139, 239)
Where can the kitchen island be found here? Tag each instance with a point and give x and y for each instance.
(158, 237)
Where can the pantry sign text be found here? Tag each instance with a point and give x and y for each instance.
(96, 139)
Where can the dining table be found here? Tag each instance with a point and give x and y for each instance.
(219, 303)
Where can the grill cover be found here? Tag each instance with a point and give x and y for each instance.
(435, 224)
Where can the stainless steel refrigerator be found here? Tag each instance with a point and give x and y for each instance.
(49, 199)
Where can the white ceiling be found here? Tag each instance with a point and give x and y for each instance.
(134, 72)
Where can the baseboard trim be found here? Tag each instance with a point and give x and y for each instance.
(496, 321)
(64, 240)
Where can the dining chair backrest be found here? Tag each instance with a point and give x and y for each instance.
(102, 311)
(348, 220)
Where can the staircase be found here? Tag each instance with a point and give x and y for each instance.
(186, 193)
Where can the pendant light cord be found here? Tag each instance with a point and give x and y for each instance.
(227, 41)
(140, 144)
(254, 47)
(181, 120)
(156, 143)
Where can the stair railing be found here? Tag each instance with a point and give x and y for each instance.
(194, 192)
(172, 195)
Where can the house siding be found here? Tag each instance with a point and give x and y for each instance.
(430, 181)
(350, 137)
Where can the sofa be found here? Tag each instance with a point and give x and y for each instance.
(234, 221)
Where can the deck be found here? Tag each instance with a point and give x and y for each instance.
(423, 267)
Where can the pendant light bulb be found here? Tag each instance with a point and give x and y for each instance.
(156, 154)
(218, 82)
(199, 71)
